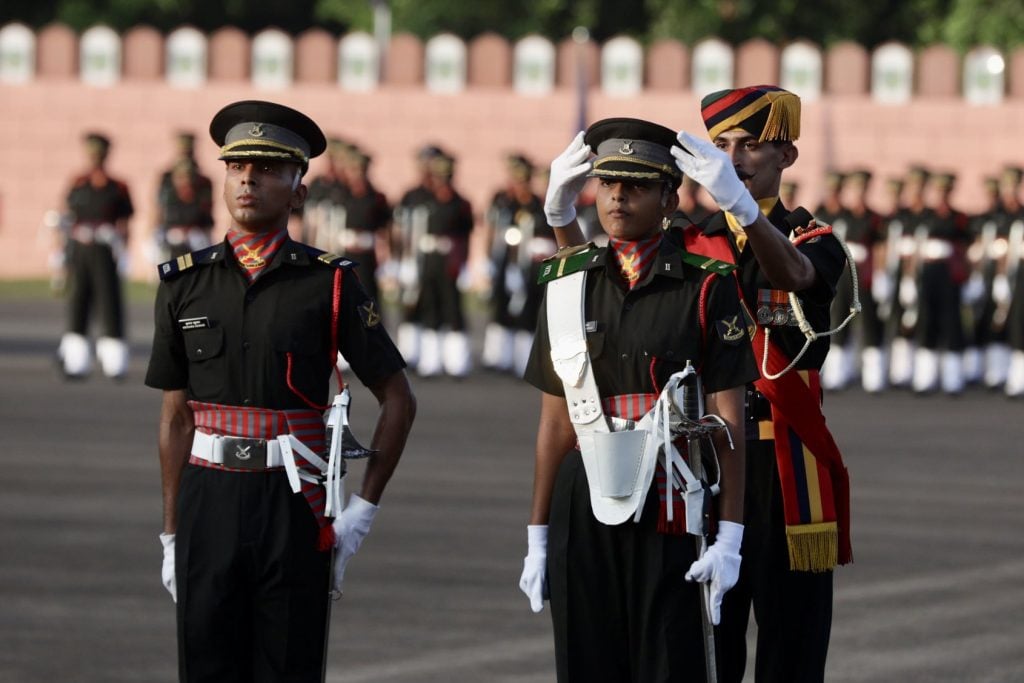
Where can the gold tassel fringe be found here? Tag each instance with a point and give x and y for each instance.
(813, 547)
(783, 118)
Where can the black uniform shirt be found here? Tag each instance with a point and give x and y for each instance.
(369, 212)
(106, 204)
(653, 329)
(828, 259)
(197, 211)
(453, 217)
(228, 343)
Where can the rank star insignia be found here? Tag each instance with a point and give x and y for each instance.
(257, 130)
(730, 330)
(371, 318)
(626, 148)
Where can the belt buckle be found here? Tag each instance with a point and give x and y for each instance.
(246, 454)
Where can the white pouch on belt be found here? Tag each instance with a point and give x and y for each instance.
(619, 464)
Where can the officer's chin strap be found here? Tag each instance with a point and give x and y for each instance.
(810, 335)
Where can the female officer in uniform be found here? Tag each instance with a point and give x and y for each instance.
(622, 607)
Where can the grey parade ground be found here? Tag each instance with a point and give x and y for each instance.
(934, 593)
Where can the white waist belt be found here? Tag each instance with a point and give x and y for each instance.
(357, 239)
(238, 452)
(936, 249)
(211, 447)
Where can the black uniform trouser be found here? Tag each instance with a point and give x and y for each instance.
(1015, 321)
(793, 610)
(622, 610)
(440, 302)
(252, 588)
(94, 281)
(940, 323)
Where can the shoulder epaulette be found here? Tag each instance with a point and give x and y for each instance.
(706, 263)
(569, 260)
(169, 269)
(328, 258)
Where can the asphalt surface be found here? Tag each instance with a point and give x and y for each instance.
(936, 592)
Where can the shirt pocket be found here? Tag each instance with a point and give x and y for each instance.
(203, 345)
(208, 372)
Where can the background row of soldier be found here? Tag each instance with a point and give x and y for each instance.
(942, 294)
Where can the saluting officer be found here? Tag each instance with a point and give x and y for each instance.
(519, 240)
(246, 337)
(789, 548)
(618, 323)
(98, 208)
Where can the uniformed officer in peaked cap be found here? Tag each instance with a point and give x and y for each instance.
(787, 558)
(247, 335)
(629, 316)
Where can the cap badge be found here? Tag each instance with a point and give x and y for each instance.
(257, 130)
(627, 147)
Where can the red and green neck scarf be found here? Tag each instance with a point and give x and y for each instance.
(635, 258)
(255, 251)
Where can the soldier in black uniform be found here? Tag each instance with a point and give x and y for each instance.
(246, 336)
(98, 208)
(442, 249)
(367, 220)
(184, 204)
(1009, 312)
(902, 236)
(411, 215)
(324, 206)
(797, 525)
(977, 292)
(621, 608)
(519, 240)
(940, 270)
(865, 238)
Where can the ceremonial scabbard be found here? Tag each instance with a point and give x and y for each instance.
(692, 411)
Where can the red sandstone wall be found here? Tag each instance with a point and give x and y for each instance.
(44, 121)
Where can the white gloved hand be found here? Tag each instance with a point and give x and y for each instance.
(167, 570)
(568, 176)
(350, 528)
(908, 291)
(972, 290)
(720, 565)
(1001, 288)
(881, 286)
(534, 579)
(713, 170)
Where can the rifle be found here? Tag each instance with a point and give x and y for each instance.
(892, 266)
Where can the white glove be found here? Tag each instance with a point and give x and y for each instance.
(534, 579)
(350, 528)
(881, 286)
(972, 290)
(712, 168)
(167, 570)
(720, 565)
(908, 291)
(568, 176)
(1001, 289)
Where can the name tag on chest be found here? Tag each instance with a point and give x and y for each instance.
(194, 323)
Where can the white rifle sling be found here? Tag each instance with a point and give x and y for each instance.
(619, 464)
